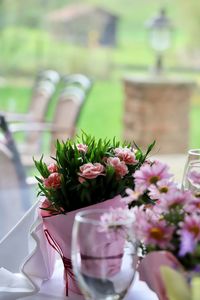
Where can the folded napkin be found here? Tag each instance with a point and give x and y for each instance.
(27, 265)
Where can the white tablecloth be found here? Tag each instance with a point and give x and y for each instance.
(26, 266)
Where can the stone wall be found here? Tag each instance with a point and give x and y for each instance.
(157, 110)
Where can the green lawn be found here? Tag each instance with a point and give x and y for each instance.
(103, 111)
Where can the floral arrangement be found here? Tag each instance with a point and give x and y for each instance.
(168, 225)
(171, 219)
(88, 171)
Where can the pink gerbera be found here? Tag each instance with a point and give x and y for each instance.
(191, 224)
(153, 230)
(151, 174)
(161, 189)
(175, 198)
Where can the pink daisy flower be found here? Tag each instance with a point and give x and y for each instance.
(191, 224)
(150, 174)
(154, 231)
(161, 189)
(175, 198)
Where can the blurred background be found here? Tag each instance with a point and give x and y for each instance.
(105, 40)
(135, 65)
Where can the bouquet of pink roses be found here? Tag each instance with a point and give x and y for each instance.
(87, 172)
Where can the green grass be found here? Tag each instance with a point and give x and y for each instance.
(103, 111)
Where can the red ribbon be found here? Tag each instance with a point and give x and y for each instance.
(66, 261)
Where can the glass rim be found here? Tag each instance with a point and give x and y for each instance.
(80, 216)
(194, 162)
(195, 151)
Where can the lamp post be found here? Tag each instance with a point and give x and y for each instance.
(160, 31)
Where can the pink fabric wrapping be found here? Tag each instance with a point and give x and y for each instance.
(149, 270)
(58, 229)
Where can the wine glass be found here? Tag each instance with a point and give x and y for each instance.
(104, 260)
(193, 156)
(192, 177)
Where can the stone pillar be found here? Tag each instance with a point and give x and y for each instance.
(157, 109)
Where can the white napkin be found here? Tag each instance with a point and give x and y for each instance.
(27, 266)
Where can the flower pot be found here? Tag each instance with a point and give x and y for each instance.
(58, 230)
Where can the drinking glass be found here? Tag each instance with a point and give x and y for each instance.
(104, 261)
(192, 177)
(193, 156)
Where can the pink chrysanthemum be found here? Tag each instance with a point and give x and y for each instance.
(175, 198)
(161, 189)
(191, 224)
(150, 174)
(151, 229)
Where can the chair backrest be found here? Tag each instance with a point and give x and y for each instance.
(43, 90)
(67, 112)
(42, 95)
(79, 80)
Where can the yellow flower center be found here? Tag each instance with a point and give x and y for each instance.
(153, 179)
(195, 230)
(156, 233)
(163, 189)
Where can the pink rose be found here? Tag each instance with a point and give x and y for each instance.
(90, 171)
(53, 168)
(82, 148)
(120, 167)
(126, 155)
(53, 181)
(81, 179)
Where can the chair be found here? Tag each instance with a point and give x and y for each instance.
(64, 121)
(15, 188)
(42, 94)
